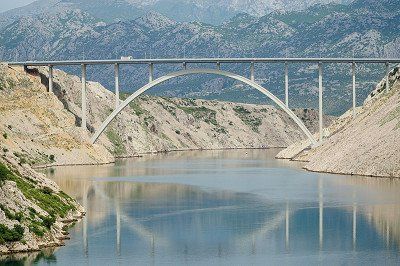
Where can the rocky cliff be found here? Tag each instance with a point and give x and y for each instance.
(366, 145)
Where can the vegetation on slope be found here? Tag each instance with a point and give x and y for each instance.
(247, 118)
(56, 205)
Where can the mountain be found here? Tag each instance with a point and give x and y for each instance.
(207, 11)
(361, 29)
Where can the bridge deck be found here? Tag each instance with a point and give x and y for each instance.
(206, 61)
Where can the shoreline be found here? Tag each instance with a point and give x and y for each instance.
(140, 155)
(61, 236)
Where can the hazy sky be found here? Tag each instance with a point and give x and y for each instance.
(10, 4)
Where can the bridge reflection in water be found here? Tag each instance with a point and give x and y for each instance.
(152, 217)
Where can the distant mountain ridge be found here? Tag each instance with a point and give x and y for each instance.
(207, 11)
(363, 29)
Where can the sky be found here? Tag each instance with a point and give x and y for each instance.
(10, 4)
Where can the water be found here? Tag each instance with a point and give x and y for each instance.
(225, 208)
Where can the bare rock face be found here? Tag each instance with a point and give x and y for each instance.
(366, 145)
(36, 128)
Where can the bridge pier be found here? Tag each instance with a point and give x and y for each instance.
(387, 77)
(151, 72)
(286, 84)
(218, 65)
(84, 122)
(353, 70)
(321, 122)
(50, 78)
(116, 76)
(252, 75)
(184, 65)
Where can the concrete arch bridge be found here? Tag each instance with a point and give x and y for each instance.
(216, 71)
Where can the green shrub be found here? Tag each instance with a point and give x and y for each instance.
(4, 173)
(118, 143)
(47, 190)
(17, 216)
(11, 235)
(52, 158)
(177, 132)
(36, 229)
(221, 130)
(23, 160)
(51, 203)
(207, 115)
(241, 110)
(247, 118)
(48, 221)
(5, 136)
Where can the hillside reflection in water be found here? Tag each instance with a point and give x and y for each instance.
(227, 207)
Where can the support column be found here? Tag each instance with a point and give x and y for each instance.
(51, 78)
(218, 65)
(321, 122)
(151, 72)
(353, 69)
(286, 84)
(387, 77)
(116, 74)
(184, 65)
(252, 75)
(83, 124)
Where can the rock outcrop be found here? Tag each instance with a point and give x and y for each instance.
(34, 213)
(366, 145)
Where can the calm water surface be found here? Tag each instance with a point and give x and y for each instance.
(225, 208)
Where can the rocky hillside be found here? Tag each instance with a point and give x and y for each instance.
(35, 127)
(367, 145)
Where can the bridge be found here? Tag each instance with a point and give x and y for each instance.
(184, 62)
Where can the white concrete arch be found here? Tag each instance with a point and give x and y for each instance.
(203, 71)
